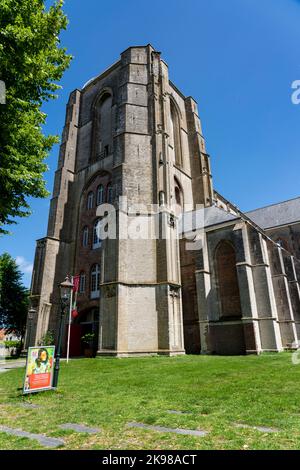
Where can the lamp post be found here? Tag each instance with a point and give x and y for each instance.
(65, 295)
(27, 340)
(31, 314)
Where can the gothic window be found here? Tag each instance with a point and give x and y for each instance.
(96, 238)
(100, 194)
(227, 281)
(178, 198)
(82, 282)
(85, 236)
(161, 198)
(95, 281)
(103, 126)
(109, 193)
(175, 140)
(90, 200)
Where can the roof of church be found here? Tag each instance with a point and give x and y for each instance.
(205, 217)
(275, 215)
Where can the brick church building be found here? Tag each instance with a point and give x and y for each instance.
(130, 133)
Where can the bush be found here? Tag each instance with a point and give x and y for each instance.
(88, 338)
(47, 339)
(12, 344)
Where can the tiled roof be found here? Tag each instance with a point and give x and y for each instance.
(283, 213)
(204, 218)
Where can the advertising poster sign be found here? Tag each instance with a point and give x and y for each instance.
(39, 369)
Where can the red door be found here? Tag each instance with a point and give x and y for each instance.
(75, 340)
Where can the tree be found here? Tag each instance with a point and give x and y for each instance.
(31, 62)
(14, 297)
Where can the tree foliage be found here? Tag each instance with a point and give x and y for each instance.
(14, 297)
(31, 63)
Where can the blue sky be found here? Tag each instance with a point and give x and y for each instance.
(237, 58)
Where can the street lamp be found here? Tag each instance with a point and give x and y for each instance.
(30, 316)
(65, 296)
(27, 340)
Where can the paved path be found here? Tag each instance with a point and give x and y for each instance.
(6, 365)
(259, 428)
(43, 440)
(190, 432)
(79, 428)
(11, 364)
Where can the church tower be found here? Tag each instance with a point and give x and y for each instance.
(133, 140)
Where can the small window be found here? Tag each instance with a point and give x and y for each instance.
(161, 198)
(90, 200)
(96, 238)
(95, 281)
(177, 196)
(109, 192)
(82, 282)
(106, 150)
(100, 195)
(85, 236)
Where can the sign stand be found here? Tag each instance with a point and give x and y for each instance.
(39, 369)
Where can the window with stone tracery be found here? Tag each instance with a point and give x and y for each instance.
(103, 126)
(109, 193)
(96, 238)
(175, 140)
(95, 281)
(100, 194)
(82, 282)
(90, 200)
(85, 236)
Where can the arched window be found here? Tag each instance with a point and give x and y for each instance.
(82, 282)
(95, 281)
(161, 198)
(178, 198)
(103, 126)
(175, 139)
(227, 281)
(96, 238)
(90, 200)
(100, 194)
(109, 193)
(85, 236)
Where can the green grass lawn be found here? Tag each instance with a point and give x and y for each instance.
(108, 393)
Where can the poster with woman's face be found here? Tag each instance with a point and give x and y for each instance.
(39, 369)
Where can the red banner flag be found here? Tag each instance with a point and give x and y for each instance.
(76, 280)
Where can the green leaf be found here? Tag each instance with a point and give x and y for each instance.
(31, 63)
